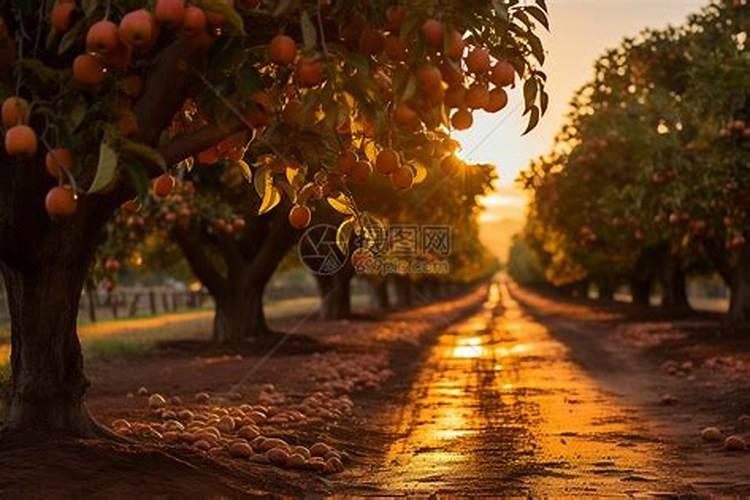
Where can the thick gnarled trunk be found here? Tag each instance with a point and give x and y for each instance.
(674, 284)
(239, 316)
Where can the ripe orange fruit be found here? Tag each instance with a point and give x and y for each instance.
(478, 60)
(387, 162)
(478, 96)
(194, 21)
(346, 161)
(88, 70)
(282, 49)
(462, 119)
(394, 17)
(163, 185)
(61, 201)
(132, 85)
(429, 78)
(395, 48)
(450, 165)
(137, 28)
(503, 74)
(455, 45)
(58, 161)
(15, 111)
(433, 32)
(405, 115)
(361, 172)
(208, 156)
(21, 140)
(169, 12)
(102, 37)
(300, 217)
(308, 73)
(498, 100)
(131, 206)
(371, 42)
(403, 178)
(455, 97)
(61, 15)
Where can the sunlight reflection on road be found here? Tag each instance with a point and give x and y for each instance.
(497, 407)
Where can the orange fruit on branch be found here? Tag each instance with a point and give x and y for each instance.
(403, 178)
(88, 70)
(163, 185)
(21, 140)
(394, 17)
(497, 101)
(61, 201)
(429, 78)
(433, 32)
(170, 12)
(455, 45)
(137, 28)
(300, 217)
(58, 161)
(387, 162)
(15, 111)
(503, 74)
(132, 85)
(478, 61)
(282, 49)
(450, 165)
(308, 73)
(194, 21)
(102, 37)
(61, 15)
(455, 97)
(405, 115)
(462, 119)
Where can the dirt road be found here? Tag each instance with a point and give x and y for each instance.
(502, 404)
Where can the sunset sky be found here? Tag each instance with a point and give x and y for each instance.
(581, 30)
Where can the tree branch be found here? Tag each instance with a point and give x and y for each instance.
(190, 143)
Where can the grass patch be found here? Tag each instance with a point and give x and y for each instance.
(116, 348)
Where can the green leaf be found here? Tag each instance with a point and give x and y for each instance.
(271, 198)
(529, 93)
(141, 182)
(344, 235)
(288, 190)
(309, 33)
(539, 15)
(283, 7)
(106, 169)
(341, 204)
(230, 15)
(533, 120)
(544, 101)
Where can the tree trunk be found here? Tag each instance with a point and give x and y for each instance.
(606, 290)
(335, 296)
(739, 304)
(403, 289)
(239, 315)
(379, 293)
(47, 383)
(673, 282)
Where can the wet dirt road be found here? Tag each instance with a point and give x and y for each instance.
(499, 408)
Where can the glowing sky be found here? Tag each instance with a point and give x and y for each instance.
(581, 30)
